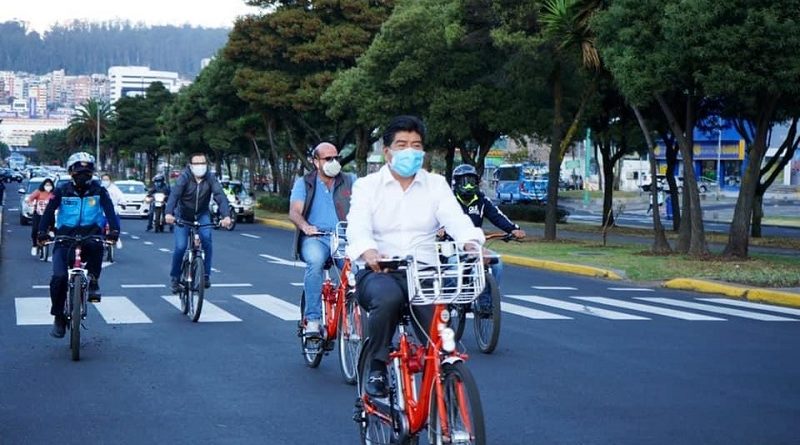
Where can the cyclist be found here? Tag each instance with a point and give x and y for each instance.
(189, 201)
(466, 185)
(39, 199)
(117, 197)
(159, 186)
(392, 212)
(228, 190)
(319, 200)
(83, 207)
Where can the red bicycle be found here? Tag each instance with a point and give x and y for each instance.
(445, 398)
(341, 314)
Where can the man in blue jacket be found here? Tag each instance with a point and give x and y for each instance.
(83, 208)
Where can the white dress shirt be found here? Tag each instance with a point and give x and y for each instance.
(395, 222)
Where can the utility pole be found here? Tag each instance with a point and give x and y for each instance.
(97, 158)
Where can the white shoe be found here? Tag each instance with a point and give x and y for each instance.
(312, 328)
(119, 244)
(33, 251)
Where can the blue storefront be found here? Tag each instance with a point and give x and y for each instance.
(719, 157)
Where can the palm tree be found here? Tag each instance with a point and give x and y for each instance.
(83, 126)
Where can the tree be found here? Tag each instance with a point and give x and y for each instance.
(83, 126)
(5, 151)
(52, 145)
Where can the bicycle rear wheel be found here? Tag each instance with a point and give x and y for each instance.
(487, 326)
(76, 300)
(196, 290)
(312, 353)
(351, 333)
(458, 319)
(463, 409)
(110, 253)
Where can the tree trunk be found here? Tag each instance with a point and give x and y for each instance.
(449, 159)
(551, 216)
(772, 169)
(362, 150)
(758, 214)
(273, 158)
(608, 189)
(660, 244)
(672, 162)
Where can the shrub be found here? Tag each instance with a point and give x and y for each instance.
(531, 212)
(274, 203)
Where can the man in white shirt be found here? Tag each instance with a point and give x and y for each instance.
(392, 212)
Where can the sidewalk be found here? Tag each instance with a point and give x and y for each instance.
(785, 297)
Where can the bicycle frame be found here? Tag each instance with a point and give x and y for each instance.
(77, 268)
(333, 298)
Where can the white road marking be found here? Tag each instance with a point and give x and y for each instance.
(41, 286)
(274, 306)
(554, 288)
(631, 289)
(104, 265)
(717, 309)
(135, 237)
(651, 309)
(215, 270)
(120, 310)
(281, 261)
(33, 311)
(14, 209)
(250, 236)
(527, 312)
(124, 233)
(747, 304)
(142, 286)
(231, 285)
(293, 284)
(211, 313)
(574, 307)
(165, 250)
(148, 243)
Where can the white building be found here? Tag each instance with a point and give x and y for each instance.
(18, 131)
(134, 80)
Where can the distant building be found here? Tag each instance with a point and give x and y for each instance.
(17, 132)
(134, 80)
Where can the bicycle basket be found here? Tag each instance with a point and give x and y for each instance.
(339, 240)
(457, 276)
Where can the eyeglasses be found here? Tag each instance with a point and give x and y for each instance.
(330, 158)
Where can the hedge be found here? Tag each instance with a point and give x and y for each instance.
(274, 203)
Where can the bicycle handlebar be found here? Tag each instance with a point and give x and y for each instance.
(78, 239)
(183, 223)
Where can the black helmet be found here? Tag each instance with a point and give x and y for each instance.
(466, 182)
(158, 178)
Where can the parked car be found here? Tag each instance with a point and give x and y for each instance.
(26, 210)
(10, 175)
(134, 205)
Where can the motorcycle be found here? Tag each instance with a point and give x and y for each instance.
(159, 219)
(216, 217)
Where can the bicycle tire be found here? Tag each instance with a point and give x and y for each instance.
(372, 429)
(183, 294)
(197, 289)
(76, 299)
(110, 253)
(232, 216)
(487, 330)
(350, 336)
(458, 384)
(458, 319)
(312, 360)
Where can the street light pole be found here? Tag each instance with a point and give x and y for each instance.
(97, 158)
(719, 162)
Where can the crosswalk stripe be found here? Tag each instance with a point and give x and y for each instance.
(120, 310)
(651, 309)
(554, 288)
(210, 313)
(574, 307)
(33, 311)
(716, 309)
(527, 312)
(141, 286)
(631, 289)
(231, 285)
(747, 304)
(275, 306)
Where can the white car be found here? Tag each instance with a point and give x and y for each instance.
(25, 209)
(134, 204)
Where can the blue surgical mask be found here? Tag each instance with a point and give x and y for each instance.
(407, 162)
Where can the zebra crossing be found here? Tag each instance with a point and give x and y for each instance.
(239, 307)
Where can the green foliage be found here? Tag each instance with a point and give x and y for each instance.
(52, 145)
(4, 150)
(82, 48)
(531, 212)
(274, 203)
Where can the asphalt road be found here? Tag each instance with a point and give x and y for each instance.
(580, 361)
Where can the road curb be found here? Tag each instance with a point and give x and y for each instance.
(754, 294)
(556, 266)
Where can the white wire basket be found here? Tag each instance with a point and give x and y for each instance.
(339, 240)
(456, 276)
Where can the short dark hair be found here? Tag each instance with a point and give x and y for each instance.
(198, 153)
(403, 123)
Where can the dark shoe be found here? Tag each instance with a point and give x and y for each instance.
(148, 229)
(175, 285)
(207, 281)
(376, 384)
(94, 290)
(59, 326)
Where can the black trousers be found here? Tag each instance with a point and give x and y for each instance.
(385, 296)
(63, 256)
(35, 218)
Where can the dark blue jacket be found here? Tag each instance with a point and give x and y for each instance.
(192, 198)
(480, 207)
(79, 213)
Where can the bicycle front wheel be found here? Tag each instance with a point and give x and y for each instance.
(76, 300)
(487, 325)
(351, 332)
(462, 420)
(196, 289)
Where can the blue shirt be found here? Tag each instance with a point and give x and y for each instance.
(323, 212)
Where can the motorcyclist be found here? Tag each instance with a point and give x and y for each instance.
(466, 186)
(159, 186)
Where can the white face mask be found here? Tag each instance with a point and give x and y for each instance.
(331, 168)
(106, 183)
(199, 170)
(47, 188)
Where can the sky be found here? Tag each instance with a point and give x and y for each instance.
(40, 15)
